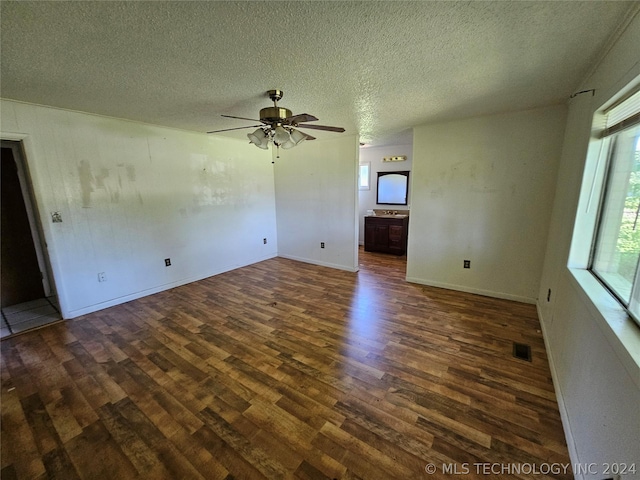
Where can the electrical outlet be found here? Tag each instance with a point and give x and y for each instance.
(264, 240)
(467, 263)
(102, 277)
(321, 244)
(167, 262)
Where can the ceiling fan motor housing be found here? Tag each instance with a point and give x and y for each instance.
(280, 125)
(274, 114)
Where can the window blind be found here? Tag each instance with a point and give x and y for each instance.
(623, 115)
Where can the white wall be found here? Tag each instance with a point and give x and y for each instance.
(483, 191)
(316, 201)
(131, 195)
(593, 347)
(367, 198)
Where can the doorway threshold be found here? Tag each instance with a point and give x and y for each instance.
(28, 315)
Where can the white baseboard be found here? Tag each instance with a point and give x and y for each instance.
(317, 262)
(150, 291)
(477, 291)
(564, 417)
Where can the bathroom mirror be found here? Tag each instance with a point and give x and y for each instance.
(393, 188)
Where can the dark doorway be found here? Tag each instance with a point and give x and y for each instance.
(20, 276)
(27, 297)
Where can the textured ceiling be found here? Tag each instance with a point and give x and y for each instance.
(375, 68)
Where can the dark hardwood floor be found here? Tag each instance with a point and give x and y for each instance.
(284, 370)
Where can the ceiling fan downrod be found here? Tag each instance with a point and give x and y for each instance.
(275, 95)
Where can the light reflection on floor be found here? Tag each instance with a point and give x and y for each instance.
(367, 333)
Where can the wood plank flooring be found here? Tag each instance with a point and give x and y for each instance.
(283, 370)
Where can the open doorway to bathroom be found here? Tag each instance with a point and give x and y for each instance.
(380, 158)
(27, 293)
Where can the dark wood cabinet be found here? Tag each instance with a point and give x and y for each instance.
(386, 234)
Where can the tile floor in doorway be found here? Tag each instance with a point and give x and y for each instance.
(24, 316)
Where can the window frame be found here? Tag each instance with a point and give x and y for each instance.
(368, 185)
(608, 140)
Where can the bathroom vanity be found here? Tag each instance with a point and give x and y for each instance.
(386, 233)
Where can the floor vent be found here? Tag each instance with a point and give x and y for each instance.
(522, 351)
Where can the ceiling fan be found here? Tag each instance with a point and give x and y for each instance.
(278, 125)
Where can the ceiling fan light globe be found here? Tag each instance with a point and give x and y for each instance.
(263, 145)
(281, 136)
(288, 144)
(259, 138)
(297, 136)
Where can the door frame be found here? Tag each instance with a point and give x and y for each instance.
(17, 144)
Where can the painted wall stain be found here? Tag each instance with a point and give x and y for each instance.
(86, 183)
(113, 186)
(436, 193)
(101, 177)
(215, 183)
(482, 189)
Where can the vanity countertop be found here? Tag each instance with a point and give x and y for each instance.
(389, 215)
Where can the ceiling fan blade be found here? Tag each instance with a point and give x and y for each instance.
(323, 127)
(241, 118)
(308, 137)
(302, 117)
(237, 128)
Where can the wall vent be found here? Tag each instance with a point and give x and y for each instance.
(522, 351)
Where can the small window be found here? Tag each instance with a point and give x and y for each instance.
(616, 252)
(364, 176)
